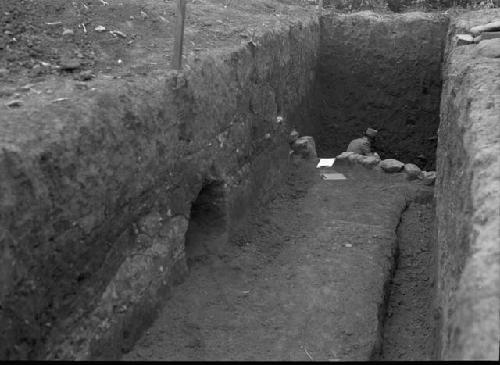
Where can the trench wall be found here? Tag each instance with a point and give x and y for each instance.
(96, 191)
(468, 197)
(380, 71)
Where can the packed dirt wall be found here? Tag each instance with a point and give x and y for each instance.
(468, 196)
(97, 189)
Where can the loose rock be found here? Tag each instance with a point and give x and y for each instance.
(355, 157)
(344, 155)
(391, 165)
(464, 39)
(117, 33)
(428, 177)
(370, 161)
(15, 103)
(489, 27)
(412, 171)
(305, 147)
(68, 32)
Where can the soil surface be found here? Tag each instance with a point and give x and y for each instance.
(306, 284)
(409, 325)
(85, 39)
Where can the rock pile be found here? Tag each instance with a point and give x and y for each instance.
(302, 147)
(389, 166)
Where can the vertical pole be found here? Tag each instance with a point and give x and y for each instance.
(179, 35)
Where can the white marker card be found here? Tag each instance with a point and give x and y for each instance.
(325, 162)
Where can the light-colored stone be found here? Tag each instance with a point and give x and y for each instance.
(355, 157)
(344, 155)
(15, 103)
(68, 32)
(117, 33)
(370, 161)
(428, 177)
(489, 27)
(412, 171)
(304, 147)
(463, 39)
(391, 165)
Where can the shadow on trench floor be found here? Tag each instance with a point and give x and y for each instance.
(308, 283)
(409, 325)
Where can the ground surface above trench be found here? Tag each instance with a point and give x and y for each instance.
(307, 283)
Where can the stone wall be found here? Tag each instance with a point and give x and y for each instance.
(96, 190)
(379, 71)
(468, 196)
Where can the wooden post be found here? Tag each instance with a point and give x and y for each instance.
(179, 35)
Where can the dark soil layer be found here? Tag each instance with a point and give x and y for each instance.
(409, 325)
(307, 283)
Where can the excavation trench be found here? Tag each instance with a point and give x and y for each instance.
(169, 222)
(328, 270)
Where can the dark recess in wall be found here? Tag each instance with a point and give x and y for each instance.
(208, 218)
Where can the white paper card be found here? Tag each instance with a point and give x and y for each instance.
(333, 176)
(325, 162)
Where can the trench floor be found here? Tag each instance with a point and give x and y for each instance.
(308, 283)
